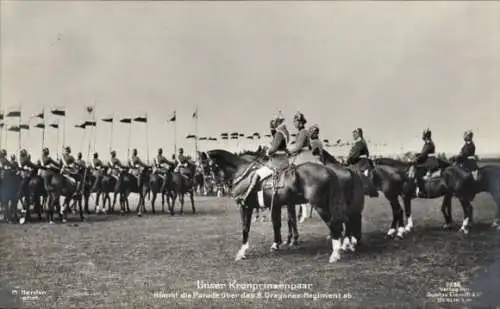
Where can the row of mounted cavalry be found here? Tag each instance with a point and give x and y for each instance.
(312, 176)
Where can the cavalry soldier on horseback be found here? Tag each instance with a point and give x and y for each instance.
(315, 144)
(467, 156)
(359, 158)
(137, 164)
(97, 167)
(25, 160)
(70, 166)
(13, 162)
(4, 162)
(50, 167)
(278, 155)
(96, 162)
(302, 142)
(162, 163)
(80, 160)
(115, 166)
(182, 164)
(425, 161)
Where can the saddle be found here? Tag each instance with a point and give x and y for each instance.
(278, 179)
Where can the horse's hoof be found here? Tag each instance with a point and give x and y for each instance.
(464, 230)
(51, 222)
(64, 221)
(447, 227)
(139, 214)
(334, 258)
(274, 247)
(240, 257)
(22, 220)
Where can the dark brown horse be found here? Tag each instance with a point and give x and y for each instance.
(304, 183)
(33, 193)
(157, 185)
(182, 184)
(393, 178)
(60, 185)
(10, 193)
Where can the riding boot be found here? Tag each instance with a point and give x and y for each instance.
(243, 199)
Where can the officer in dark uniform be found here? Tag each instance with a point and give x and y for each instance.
(96, 162)
(315, 143)
(467, 156)
(425, 162)
(302, 140)
(358, 155)
(80, 160)
(50, 167)
(25, 160)
(116, 167)
(278, 155)
(4, 162)
(359, 159)
(13, 162)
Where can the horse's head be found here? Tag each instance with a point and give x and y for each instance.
(227, 162)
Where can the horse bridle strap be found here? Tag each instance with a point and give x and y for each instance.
(242, 176)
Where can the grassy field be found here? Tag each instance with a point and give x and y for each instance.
(122, 261)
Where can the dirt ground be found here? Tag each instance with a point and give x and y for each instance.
(158, 261)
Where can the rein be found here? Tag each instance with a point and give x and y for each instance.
(252, 166)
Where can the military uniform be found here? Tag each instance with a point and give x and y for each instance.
(162, 163)
(50, 167)
(467, 157)
(97, 163)
(315, 143)
(5, 163)
(426, 159)
(278, 157)
(359, 155)
(116, 167)
(25, 162)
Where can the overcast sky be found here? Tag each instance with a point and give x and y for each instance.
(391, 68)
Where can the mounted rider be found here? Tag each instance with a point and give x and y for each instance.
(5, 164)
(467, 156)
(25, 161)
(49, 167)
(302, 142)
(278, 155)
(13, 161)
(161, 163)
(425, 162)
(137, 165)
(183, 164)
(315, 144)
(71, 167)
(115, 166)
(79, 160)
(358, 158)
(97, 170)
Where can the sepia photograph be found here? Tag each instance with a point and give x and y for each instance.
(249, 154)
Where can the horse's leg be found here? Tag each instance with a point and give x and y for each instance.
(50, 208)
(153, 200)
(246, 221)
(181, 200)
(409, 218)
(62, 209)
(191, 196)
(446, 210)
(293, 231)
(397, 218)
(174, 197)
(115, 194)
(276, 222)
(336, 227)
(467, 207)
